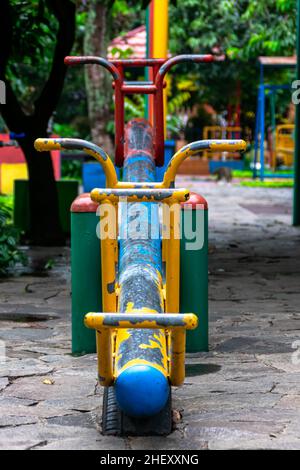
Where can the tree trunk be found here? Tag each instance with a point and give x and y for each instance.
(97, 79)
(45, 227)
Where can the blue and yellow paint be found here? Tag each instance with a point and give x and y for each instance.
(141, 349)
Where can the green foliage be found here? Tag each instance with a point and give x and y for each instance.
(71, 169)
(33, 32)
(33, 43)
(32, 46)
(241, 30)
(175, 125)
(10, 254)
(8, 203)
(64, 130)
(134, 108)
(49, 264)
(121, 53)
(178, 101)
(71, 118)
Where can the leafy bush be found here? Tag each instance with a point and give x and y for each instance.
(10, 254)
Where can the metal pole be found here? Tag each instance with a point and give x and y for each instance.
(256, 137)
(148, 54)
(157, 43)
(296, 211)
(262, 132)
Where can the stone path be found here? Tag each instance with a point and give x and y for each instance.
(245, 393)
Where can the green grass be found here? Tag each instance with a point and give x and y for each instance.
(249, 173)
(268, 184)
(242, 173)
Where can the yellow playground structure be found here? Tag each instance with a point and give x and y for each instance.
(221, 132)
(284, 145)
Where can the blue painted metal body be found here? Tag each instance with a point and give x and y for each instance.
(141, 389)
(169, 152)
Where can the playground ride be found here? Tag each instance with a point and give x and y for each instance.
(140, 335)
(13, 165)
(221, 132)
(277, 142)
(284, 145)
(217, 160)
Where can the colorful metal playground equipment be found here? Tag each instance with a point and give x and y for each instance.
(140, 336)
(269, 91)
(284, 145)
(220, 132)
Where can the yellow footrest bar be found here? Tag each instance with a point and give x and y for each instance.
(175, 325)
(97, 321)
(140, 195)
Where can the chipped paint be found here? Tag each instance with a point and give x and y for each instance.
(141, 195)
(194, 148)
(140, 269)
(98, 153)
(142, 318)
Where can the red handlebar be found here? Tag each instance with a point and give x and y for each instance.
(112, 66)
(155, 88)
(73, 60)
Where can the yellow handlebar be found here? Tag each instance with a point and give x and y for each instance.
(228, 145)
(44, 145)
(196, 147)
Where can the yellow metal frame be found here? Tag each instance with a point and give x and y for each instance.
(193, 149)
(169, 178)
(109, 302)
(134, 320)
(159, 46)
(172, 344)
(216, 132)
(139, 195)
(44, 145)
(174, 328)
(284, 144)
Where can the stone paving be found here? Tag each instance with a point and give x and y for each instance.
(243, 394)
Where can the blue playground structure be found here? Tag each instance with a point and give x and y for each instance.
(267, 91)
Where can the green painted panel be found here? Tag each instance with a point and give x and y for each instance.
(86, 278)
(194, 279)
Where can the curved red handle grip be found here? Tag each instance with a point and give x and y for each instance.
(194, 58)
(84, 60)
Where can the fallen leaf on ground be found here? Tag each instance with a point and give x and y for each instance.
(48, 381)
(176, 416)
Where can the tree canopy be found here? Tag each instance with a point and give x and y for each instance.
(240, 29)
